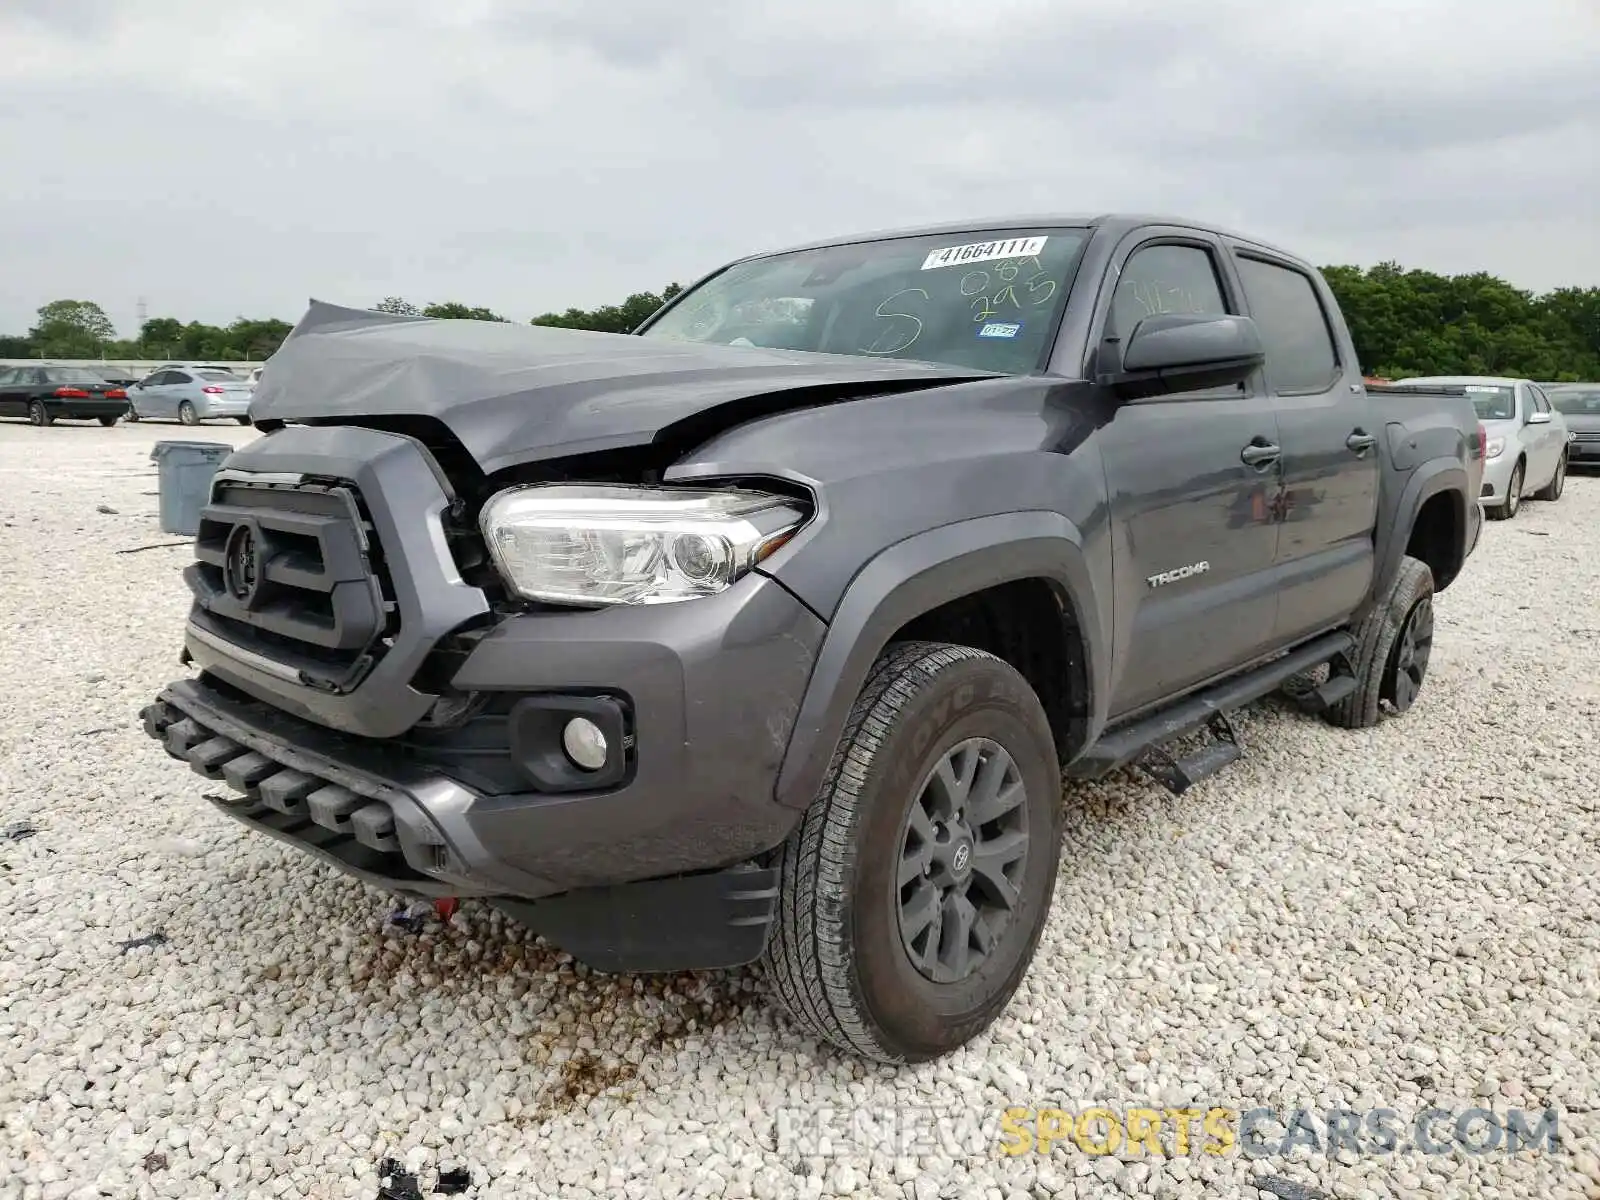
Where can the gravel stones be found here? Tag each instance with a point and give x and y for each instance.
(1394, 917)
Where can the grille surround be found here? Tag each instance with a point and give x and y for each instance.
(320, 597)
(404, 502)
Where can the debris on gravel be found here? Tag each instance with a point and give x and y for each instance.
(1401, 918)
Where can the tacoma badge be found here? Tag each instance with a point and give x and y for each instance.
(1177, 573)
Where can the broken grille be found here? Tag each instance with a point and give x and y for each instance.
(294, 572)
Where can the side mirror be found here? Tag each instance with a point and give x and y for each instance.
(1538, 418)
(1182, 352)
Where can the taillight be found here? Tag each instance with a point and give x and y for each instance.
(116, 394)
(212, 391)
(70, 393)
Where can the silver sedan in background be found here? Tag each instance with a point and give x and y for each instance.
(1527, 451)
(191, 395)
(1579, 403)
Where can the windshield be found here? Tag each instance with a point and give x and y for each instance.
(1575, 401)
(986, 299)
(1492, 403)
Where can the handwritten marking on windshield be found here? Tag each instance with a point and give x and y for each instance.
(879, 344)
(1038, 289)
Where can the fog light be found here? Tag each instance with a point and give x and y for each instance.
(584, 743)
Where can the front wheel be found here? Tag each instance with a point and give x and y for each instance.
(187, 414)
(39, 415)
(131, 417)
(915, 889)
(1558, 481)
(1393, 645)
(1513, 501)
(242, 420)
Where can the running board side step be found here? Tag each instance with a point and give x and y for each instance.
(1143, 739)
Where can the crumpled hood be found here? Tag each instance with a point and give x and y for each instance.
(519, 393)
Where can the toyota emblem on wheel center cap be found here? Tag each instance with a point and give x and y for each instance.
(241, 570)
(963, 856)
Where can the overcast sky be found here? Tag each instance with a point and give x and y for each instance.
(223, 160)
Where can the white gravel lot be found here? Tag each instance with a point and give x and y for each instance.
(1394, 918)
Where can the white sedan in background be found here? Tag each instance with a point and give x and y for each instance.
(1527, 452)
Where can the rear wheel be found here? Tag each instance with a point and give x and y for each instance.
(38, 414)
(915, 889)
(1393, 645)
(108, 422)
(187, 414)
(1513, 501)
(242, 420)
(1558, 481)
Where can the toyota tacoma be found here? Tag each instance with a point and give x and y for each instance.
(767, 630)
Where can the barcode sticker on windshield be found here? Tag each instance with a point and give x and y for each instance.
(973, 252)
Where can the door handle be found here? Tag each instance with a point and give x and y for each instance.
(1260, 453)
(1361, 441)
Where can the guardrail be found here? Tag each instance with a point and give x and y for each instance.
(138, 366)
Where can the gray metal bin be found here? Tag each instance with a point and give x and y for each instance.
(185, 470)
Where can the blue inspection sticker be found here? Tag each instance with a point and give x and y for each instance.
(1000, 329)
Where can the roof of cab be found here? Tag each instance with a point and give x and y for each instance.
(1112, 223)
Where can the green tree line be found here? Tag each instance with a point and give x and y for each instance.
(1404, 322)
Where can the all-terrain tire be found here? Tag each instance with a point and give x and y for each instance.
(837, 959)
(1379, 655)
(1558, 481)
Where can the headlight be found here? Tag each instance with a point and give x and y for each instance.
(597, 544)
(1495, 447)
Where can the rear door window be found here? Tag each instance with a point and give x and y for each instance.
(1301, 355)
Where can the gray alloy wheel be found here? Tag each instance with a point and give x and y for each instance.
(963, 849)
(187, 415)
(1409, 662)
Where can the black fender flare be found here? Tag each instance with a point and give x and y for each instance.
(912, 577)
(1426, 482)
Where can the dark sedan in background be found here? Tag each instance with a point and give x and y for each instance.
(1580, 404)
(44, 394)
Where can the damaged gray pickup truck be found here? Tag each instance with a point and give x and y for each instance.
(768, 630)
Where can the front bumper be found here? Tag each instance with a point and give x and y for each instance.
(710, 689)
(1497, 479)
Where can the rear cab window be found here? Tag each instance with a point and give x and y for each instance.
(1302, 357)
